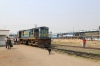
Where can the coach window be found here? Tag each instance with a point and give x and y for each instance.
(32, 32)
(23, 33)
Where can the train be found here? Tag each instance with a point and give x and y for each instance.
(62, 35)
(89, 35)
(38, 36)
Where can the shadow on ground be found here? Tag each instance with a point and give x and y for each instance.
(14, 48)
(2, 45)
(42, 48)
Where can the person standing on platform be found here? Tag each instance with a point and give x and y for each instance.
(84, 42)
(15, 41)
(6, 41)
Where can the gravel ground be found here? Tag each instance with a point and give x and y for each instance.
(22, 55)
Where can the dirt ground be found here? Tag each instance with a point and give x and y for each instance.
(22, 55)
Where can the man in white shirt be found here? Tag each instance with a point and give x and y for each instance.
(6, 41)
(15, 40)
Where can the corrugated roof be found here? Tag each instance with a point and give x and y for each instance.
(2, 35)
(4, 30)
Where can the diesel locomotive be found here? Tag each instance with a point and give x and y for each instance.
(36, 36)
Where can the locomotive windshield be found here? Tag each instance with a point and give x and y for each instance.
(43, 32)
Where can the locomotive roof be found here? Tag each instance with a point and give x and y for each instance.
(34, 28)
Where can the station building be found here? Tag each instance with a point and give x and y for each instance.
(3, 34)
(93, 34)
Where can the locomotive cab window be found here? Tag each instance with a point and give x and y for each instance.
(19, 34)
(43, 32)
(31, 32)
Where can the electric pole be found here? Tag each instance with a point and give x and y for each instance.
(4, 27)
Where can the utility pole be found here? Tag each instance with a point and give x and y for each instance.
(4, 27)
(35, 25)
(50, 34)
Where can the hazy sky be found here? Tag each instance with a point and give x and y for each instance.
(58, 15)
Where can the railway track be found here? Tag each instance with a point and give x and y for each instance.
(55, 47)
